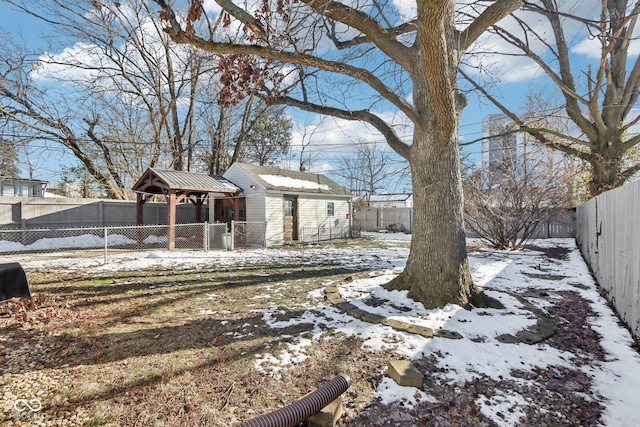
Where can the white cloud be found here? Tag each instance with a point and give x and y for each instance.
(211, 7)
(53, 66)
(590, 47)
(407, 8)
(337, 136)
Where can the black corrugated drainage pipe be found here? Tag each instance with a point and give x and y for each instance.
(295, 413)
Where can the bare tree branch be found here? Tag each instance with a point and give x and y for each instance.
(487, 18)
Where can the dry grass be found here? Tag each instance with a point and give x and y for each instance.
(134, 348)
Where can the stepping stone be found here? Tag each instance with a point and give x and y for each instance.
(452, 335)
(405, 374)
(346, 306)
(328, 416)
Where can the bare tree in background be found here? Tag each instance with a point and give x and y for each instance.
(304, 156)
(49, 118)
(249, 131)
(123, 97)
(9, 150)
(600, 101)
(368, 170)
(506, 203)
(269, 139)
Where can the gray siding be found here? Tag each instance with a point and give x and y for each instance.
(254, 198)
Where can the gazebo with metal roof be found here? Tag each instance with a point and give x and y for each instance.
(179, 186)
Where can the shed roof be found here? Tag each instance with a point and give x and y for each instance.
(154, 180)
(276, 179)
(389, 197)
(22, 180)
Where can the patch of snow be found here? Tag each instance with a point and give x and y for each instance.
(389, 392)
(285, 181)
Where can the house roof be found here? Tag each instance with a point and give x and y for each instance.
(14, 179)
(275, 179)
(154, 180)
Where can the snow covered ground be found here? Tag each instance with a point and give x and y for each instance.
(502, 274)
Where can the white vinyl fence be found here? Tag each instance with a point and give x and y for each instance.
(608, 235)
(390, 219)
(561, 224)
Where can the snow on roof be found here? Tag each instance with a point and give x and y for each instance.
(51, 195)
(389, 197)
(285, 181)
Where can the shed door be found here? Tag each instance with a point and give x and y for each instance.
(290, 219)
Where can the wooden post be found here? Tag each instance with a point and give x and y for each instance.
(140, 199)
(236, 208)
(198, 202)
(171, 219)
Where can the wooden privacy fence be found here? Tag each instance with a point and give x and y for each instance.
(390, 219)
(401, 219)
(608, 235)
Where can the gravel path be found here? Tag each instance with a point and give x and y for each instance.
(32, 392)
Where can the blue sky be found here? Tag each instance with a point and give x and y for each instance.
(517, 81)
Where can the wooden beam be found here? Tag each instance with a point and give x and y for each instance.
(199, 201)
(171, 219)
(140, 201)
(236, 208)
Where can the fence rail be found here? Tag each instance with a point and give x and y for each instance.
(43, 213)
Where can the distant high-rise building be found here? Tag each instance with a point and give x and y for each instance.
(516, 156)
(499, 146)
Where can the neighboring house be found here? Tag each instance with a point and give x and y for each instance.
(289, 203)
(404, 200)
(18, 187)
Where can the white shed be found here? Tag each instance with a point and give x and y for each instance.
(293, 205)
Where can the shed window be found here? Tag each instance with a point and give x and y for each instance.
(288, 207)
(8, 190)
(330, 209)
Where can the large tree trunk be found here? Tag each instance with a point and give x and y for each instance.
(437, 271)
(605, 174)
(437, 268)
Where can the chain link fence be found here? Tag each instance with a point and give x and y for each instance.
(199, 236)
(249, 234)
